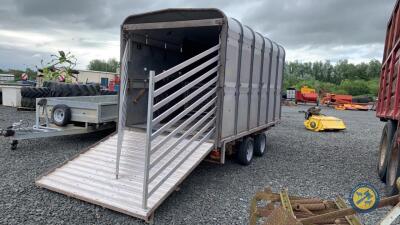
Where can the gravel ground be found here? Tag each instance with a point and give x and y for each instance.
(308, 163)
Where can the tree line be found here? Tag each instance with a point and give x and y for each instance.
(110, 65)
(340, 78)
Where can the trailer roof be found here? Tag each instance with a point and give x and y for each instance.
(175, 14)
(186, 17)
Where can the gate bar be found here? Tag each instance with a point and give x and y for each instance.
(148, 138)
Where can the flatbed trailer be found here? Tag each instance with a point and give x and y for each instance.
(87, 114)
(193, 82)
(388, 105)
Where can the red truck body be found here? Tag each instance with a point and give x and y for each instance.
(389, 88)
(388, 106)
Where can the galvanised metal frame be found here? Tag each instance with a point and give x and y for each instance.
(174, 24)
(201, 131)
(269, 78)
(260, 86)
(275, 85)
(239, 69)
(91, 105)
(251, 78)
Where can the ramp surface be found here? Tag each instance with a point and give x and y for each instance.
(90, 176)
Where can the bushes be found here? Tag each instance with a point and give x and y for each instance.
(354, 87)
(350, 87)
(373, 86)
(360, 87)
(341, 78)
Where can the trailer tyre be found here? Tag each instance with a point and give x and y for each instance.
(245, 152)
(260, 144)
(385, 148)
(61, 115)
(393, 167)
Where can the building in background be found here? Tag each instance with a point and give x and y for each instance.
(90, 76)
(7, 77)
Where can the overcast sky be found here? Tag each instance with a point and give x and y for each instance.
(309, 29)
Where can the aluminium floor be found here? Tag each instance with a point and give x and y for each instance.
(90, 176)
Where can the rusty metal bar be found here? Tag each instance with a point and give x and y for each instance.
(286, 201)
(390, 201)
(352, 220)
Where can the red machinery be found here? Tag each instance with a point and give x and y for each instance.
(337, 99)
(306, 94)
(388, 104)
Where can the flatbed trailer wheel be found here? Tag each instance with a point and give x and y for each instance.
(61, 115)
(245, 152)
(260, 144)
(385, 148)
(393, 170)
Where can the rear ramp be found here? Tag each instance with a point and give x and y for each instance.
(91, 175)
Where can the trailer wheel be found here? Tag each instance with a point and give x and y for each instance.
(260, 144)
(61, 115)
(393, 167)
(385, 148)
(245, 152)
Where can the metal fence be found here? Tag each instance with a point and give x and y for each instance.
(175, 131)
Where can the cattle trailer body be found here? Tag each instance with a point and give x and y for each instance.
(192, 81)
(250, 66)
(388, 104)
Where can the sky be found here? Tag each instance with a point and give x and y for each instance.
(310, 30)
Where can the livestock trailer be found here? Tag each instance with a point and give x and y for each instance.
(193, 81)
(388, 105)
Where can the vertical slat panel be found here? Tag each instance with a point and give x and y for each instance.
(149, 130)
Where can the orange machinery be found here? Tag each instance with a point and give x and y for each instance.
(343, 102)
(334, 99)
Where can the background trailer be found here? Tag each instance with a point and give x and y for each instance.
(192, 81)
